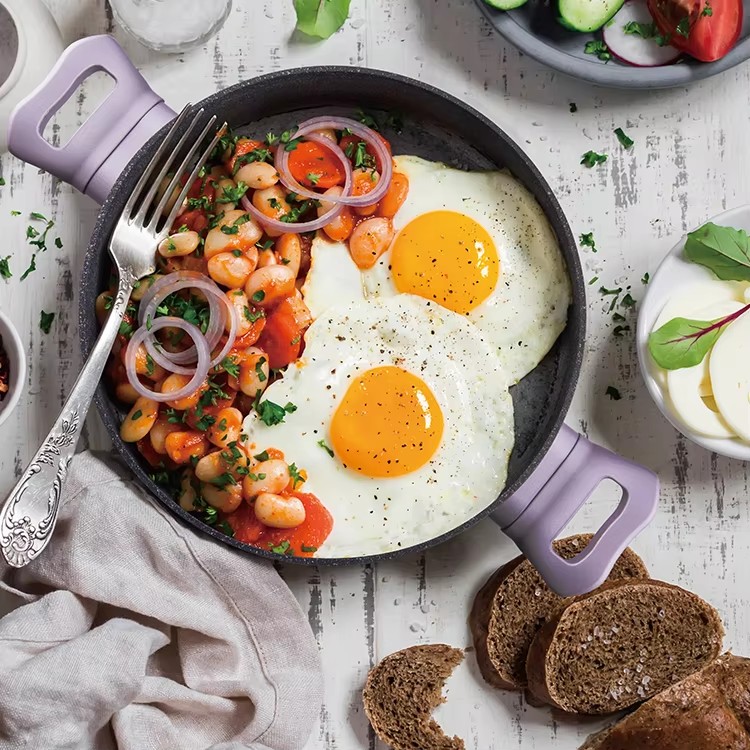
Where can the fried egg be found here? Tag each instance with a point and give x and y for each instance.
(404, 424)
(479, 244)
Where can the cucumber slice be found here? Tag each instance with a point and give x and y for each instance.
(505, 4)
(586, 15)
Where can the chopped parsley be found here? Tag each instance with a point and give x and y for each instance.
(620, 330)
(45, 321)
(137, 415)
(683, 27)
(260, 154)
(2, 182)
(258, 296)
(283, 548)
(192, 310)
(599, 49)
(58, 243)
(262, 456)
(234, 193)
(259, 370)
(226, 229)
(296, 476)
(174, 417)
(627, 301)
(593, 280)
(30, 269)
(591, 159)
(15, 213)
(367, 119)
(272, 414)
(573, 107)
(223, 480)
(613, 393)
(5, 271)
(252, 315)
(606, 292)
(204, 202)
(645, 278)
(306, 548)
(625, 140)
(617, 318)
(313, 178)
(325, 447)
(231, 367)
(587, 240)
(707, 9)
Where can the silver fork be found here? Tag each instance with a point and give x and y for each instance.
(28, 516)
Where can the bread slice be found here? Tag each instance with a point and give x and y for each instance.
(620, 645)
(709, 710)
(402, 692)
(513, 605)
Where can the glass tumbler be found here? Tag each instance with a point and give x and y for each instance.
(171, 25)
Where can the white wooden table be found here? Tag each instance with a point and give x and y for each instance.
(690, 161)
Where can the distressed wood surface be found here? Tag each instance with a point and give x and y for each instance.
(690, 161)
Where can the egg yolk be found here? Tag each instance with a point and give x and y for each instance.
(447, 257)
(388, 424)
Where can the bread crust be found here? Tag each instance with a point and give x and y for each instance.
(709, 710)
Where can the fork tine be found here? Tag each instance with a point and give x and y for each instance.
(148, 172)
(191, 178)
(186, 137)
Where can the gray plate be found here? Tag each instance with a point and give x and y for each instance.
(533, 29)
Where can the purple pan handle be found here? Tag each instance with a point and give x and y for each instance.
(541, 508)
(101, 148)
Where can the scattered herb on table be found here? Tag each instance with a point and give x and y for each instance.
(30, 269)
(625, 140)
(617, 318)
(587, 240)
(613, 393)
(2, 182)
(5, 271)
(573, 107)
(592, 159)
(627, 301)
(593, 280)
(15, 213)
(599, 49)
(645, 278)
(45, 321)
(620, 331)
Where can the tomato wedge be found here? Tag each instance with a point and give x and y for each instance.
(281, 339)
(349, 143)
(704, 29)
(313, 165)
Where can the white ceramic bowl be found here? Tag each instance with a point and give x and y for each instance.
(673, 273)
(17, 357)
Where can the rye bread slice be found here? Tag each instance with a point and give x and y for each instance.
(709, 710)
(514, 604)
(620, 645)
(402, 692)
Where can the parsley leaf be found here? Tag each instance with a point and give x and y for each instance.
(296, 475)
(587, 240)
(325, 447)
(262, 456)
(231, 367)
(306, 548)
(683, 27)
(707, 9)
(5, 268)
(272, 414)
(573, 107)
(613, 393)
(234, 193)
(625, 140)
(599, 49)
(45, 321)
(283, 548)
(646, 278)
(591, 159)
(32, 267)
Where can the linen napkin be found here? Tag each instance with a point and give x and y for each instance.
(140, 634)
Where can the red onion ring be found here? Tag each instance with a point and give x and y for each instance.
(368, 135)
(283, 227)
(201, 368)
(175, 282)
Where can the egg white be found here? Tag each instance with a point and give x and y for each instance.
(528, 308)
(468, 470)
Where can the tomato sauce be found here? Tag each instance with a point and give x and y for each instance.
(300, 542)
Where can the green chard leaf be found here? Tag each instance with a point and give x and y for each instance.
(723, 250)
(321, 18)
(682, 342)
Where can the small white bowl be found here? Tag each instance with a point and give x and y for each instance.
(17, 359)
(673, 273)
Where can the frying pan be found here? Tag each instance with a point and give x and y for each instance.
(552, 471)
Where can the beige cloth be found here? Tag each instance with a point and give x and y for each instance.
(141, 634)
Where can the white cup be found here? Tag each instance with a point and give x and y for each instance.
(30, 45)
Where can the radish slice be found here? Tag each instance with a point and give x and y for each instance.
(634, 48)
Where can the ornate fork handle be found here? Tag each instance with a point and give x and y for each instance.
(27, 519)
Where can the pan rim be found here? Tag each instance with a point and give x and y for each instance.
(575, 328)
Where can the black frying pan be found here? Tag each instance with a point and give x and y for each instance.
(552, 471)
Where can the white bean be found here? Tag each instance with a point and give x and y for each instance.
(267, 476)
(279, 512)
